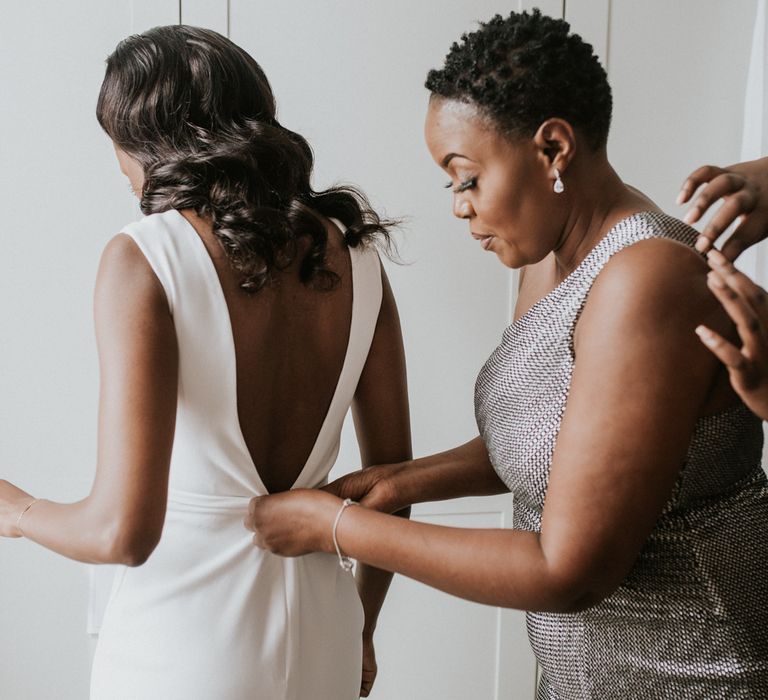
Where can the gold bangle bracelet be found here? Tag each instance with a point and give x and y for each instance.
(21, 515)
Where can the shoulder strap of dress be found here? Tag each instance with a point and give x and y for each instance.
(155, 237)
(366, 300)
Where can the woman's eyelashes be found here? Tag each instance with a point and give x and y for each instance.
(467, 184)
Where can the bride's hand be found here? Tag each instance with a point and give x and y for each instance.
(370, 668)
(12, 502)
(294, 522)
(372, 487)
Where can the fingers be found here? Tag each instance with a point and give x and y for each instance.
(747, 324)
(751, 294)
(727, 353)
(697, 178)
(724, 184)
(366, 684)
(254, 506)
(751, 230)
(349, 486)
(355, 485)
(735, 206)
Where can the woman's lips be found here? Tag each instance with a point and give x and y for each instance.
(485, 241)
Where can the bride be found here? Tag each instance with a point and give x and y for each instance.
(236, 324)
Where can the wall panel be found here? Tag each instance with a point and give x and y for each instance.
(213, 14)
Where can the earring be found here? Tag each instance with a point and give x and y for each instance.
(559, 186)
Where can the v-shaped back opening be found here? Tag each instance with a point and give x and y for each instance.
(231, 363)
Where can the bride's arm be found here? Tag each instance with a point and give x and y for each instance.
(121, 520)
(382, 424)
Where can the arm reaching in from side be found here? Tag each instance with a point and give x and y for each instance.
(462, 471)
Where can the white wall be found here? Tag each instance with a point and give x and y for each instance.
(678, 72)
(62, 197)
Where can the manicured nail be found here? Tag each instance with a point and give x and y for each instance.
(705, 334)
(680, 197)
(717, 258)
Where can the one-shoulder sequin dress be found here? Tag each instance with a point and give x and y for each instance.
(691, 618)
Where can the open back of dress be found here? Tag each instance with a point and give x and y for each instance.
(210, 616)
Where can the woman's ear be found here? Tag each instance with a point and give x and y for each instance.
(556, 144)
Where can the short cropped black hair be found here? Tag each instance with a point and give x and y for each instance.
(523, 69)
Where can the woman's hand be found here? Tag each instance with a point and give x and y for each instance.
(294, 522)
(370, 669)
(372, 487)
(747, 304)
(13, 501)
(744, 190)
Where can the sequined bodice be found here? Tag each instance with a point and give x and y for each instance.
(619, 647)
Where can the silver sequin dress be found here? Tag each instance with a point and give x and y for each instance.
(691, 619)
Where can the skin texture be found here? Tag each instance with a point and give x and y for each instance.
(616, 460)
(290, 343)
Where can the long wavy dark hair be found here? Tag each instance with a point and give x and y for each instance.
(198, 114)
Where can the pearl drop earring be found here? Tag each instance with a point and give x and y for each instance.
(559, 186)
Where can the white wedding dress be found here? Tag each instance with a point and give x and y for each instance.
(209, 616)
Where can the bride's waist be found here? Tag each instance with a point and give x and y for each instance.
(198, 502)
(189, 501)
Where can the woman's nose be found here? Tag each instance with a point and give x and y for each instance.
(462, 209)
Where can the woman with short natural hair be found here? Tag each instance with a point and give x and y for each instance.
(639, 541)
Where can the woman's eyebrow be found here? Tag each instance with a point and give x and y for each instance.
(450, 157)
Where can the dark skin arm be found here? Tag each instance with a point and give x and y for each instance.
(615, 462)
(121, 520)
(382, 425)
(462, 471)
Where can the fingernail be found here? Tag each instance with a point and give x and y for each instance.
(717, 258)
(702, 244)
(715, 280)
(705, 334)
(680, 197)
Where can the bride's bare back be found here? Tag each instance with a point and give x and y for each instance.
(290, 344)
